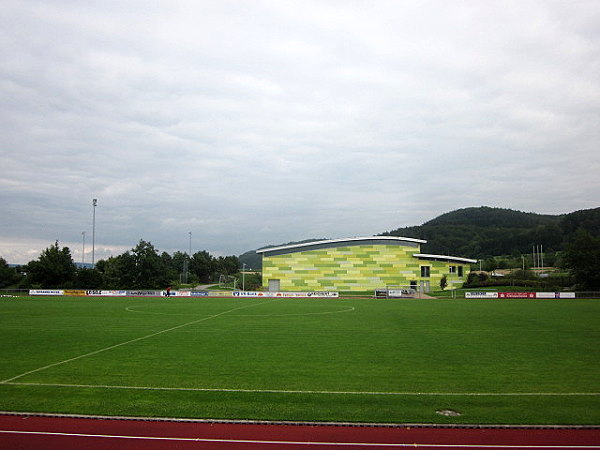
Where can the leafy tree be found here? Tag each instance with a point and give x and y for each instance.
(202, 264)
(53, 269)
(582, 258)
(118, 271)
(8, 275)
(150, 270)
(89, 279)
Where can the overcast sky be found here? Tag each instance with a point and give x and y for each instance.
(257, 122)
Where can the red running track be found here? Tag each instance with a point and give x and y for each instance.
(25, 432)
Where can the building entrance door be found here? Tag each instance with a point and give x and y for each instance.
(274, 286)
(425, 286)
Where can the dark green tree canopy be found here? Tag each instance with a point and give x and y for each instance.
(8, 275)
(53, 269)
(582, 258)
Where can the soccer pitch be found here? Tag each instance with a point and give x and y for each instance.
(343, 360)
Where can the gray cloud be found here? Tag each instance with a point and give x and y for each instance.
(270, 121)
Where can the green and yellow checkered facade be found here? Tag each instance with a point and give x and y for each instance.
(356, 265)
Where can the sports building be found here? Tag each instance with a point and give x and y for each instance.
(359, 264)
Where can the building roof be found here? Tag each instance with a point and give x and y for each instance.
(368, 240)
(444, 258)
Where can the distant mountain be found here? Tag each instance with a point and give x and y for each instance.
(482, 232)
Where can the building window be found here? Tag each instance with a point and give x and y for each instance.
(413, 285)
(425, 271)
(460, 271)
(452, 269)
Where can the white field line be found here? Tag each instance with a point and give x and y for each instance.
(130, 309)
(131, 341)
(302, 443)
(285, 391)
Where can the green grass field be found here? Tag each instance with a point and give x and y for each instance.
(356, 360)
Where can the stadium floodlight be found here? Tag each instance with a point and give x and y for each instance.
(244, 277)
(83, 250)
(94, 204)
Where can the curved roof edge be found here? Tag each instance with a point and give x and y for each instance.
(336, 241)
(445, 258)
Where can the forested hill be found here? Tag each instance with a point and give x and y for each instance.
(483, 232)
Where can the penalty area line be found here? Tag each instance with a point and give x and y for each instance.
(299, 443)
(317, 392)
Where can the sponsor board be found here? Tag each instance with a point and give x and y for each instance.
(555, 294)
(143, 293)
(199, 293)
(546, 295)
(481, 294)
(324, 294)
(46, 292)
(75, 292)
(175, 294)
(401, 293)
(114, 293)
(220, 294)
(516, 294)
(93, 293)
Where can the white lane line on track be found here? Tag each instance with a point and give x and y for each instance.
(301, 443)
(284, 391)
(157, 333)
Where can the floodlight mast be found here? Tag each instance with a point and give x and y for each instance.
(244, 277)
(83, 250)
(94, 204)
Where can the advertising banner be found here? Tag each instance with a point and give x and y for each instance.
(75, 292)
(199, 293)
(482, 294)
(516, 294)
(143, 293)
(555, 294)
(323, 294)
(113, 293)
(45, 292)
(546, 295)
(175, 294)
(220, 293)
(250, 294)
(93, 293)
(401, 293)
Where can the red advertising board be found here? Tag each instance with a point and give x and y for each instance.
(516, 294)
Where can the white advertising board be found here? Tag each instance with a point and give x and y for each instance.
(482, 294)
(46, 292)
(555, 295)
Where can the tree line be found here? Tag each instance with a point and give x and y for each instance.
(142, 267)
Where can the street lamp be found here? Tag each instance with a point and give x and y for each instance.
(94, 204)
